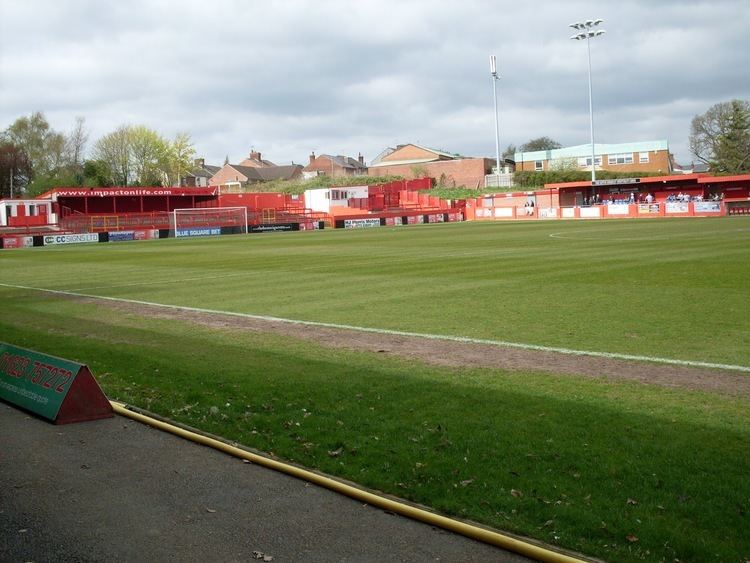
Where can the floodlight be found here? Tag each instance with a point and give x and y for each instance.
(588, 32)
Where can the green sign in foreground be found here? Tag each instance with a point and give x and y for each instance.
(57, 389)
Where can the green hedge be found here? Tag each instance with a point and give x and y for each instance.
(299, 186)
(530, 179)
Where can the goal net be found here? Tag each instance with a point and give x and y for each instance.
(206, 220)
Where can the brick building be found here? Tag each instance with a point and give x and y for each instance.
(234, 177)
(255, 160)
(414, 161)
(645, 156)
(200, 175)
(329, 165)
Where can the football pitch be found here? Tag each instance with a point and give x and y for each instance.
(483, 369)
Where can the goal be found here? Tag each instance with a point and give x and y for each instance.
(209, 218)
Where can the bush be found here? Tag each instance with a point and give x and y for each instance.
(528, 179)
(299, 186)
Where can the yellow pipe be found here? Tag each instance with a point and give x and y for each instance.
(475, 532)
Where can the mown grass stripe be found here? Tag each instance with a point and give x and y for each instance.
(427, 336)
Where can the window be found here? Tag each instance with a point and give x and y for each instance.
(538, 165)
(642, 157)
(624, 158)
(583, 162)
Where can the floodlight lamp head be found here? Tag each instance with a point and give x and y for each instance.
(577, 25)
(600, 32)
(589, 23)
(598, 21)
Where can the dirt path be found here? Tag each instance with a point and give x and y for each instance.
(457, 354)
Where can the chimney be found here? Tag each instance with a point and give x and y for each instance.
(255, 155)
(200, 162)
(312, 157)
(361, 158)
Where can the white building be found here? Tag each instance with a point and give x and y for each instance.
(323, 199)
(26, 212)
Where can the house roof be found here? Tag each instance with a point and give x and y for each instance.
(585, 150)
(278, 172)
(438, 155)
(397, 162)
(438, 152)
(260, 162)
(692, 168)
(206, 171)
(341, 161)
(268, 173)
(349, 162)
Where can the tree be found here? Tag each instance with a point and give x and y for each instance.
(510, 151)
(149, 156)
(113, 150)
(44, 146)
(540, 144)
(55, 159)
(96, 173)
(721, 137)
(180, 153)
(135, 155)
(15, 169)
(76, 142)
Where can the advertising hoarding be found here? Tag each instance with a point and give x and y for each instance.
(71, 239)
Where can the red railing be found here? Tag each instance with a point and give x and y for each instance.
(165, 220)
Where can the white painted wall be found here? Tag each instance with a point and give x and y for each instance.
(323, 199)
(14, 204)
(317, 200)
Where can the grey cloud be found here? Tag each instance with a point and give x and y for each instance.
(289, 77)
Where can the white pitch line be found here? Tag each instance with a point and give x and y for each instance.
(426, 336)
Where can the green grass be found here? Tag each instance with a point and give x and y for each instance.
(575, 462)
(668, 288)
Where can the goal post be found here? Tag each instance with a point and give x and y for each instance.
(192, 218)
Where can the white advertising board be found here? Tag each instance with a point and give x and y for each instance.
(361, 223)
(503, 212)
(590, 212)
(618, 209)
(71, 239)
(676, 207)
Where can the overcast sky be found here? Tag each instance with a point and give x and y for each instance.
(295, 76)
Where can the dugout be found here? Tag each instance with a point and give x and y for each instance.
(734, 190)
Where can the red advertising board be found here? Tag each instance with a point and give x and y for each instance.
(18, 242)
